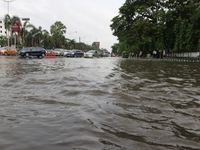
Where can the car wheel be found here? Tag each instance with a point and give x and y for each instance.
(43, 55)
(27, 54)
(5, 54)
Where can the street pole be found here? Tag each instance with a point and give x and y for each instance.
(72, 33)
(8, 2)
(15, 39)
(80, 39)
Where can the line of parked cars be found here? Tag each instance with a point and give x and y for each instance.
(41, 52)
(77, 53)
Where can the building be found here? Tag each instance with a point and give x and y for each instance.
(2, 28)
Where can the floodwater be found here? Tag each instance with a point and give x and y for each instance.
(99, 104)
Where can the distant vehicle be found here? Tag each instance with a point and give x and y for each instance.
(33, 51)
(49, 50)
(125, 54)
(105, 53)
(65, 51)
(8, 51)
(75, 53)
(92, 53)
(59, 52)
(113, 55)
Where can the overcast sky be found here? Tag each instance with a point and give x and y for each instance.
(90, 18)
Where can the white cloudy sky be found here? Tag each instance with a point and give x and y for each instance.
(90, 18)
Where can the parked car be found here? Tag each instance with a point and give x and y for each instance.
(33, 51)
(104, 54)
(92, 53)
(75, 53)
(8, 51)
(59, 52)
(49, 50)
(66, 52)
(113, 55)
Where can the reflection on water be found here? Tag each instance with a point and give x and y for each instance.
(105, 103)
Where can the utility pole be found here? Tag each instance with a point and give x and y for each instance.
(8, 1)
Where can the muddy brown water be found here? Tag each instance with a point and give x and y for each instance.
(100, 103)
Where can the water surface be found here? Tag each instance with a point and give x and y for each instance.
(100, 103)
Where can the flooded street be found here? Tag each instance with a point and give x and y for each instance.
(99, 104)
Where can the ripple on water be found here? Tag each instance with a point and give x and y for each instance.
(106, 103)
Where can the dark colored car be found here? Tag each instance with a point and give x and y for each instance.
(75, 53)
(33, 51)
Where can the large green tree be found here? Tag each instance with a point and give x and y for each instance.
(58, 29)
(140, 23)
(24, 31)
(158, 24)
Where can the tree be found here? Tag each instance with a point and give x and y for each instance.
(48, 42)
(140, 23)
(8, 21)
(39, 36)
(115, 48)
(158, 24)
(24, 31)
(58, 29)
(2, 41)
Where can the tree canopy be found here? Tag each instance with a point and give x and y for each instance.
(147, 25)
(33, 36)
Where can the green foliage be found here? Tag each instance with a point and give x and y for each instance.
(3, 41)
(147, 25)
(33, 36)
(8, 21)
(58, 29)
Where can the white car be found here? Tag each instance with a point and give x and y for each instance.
(65, 51)
(92, 53)
(59, 52)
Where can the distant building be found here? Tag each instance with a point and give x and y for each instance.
(2, 27)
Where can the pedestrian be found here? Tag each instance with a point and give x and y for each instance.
(154, 53)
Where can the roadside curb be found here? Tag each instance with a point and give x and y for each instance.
(171, 60)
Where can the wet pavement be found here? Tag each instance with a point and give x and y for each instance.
(101, 103)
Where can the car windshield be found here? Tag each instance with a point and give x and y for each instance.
(24, 49)
(57, 49)
(3, 48)
(90, 51)
(36, 48)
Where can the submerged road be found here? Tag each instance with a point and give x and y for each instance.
(101, 103)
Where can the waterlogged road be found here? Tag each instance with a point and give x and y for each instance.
(103, 103)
